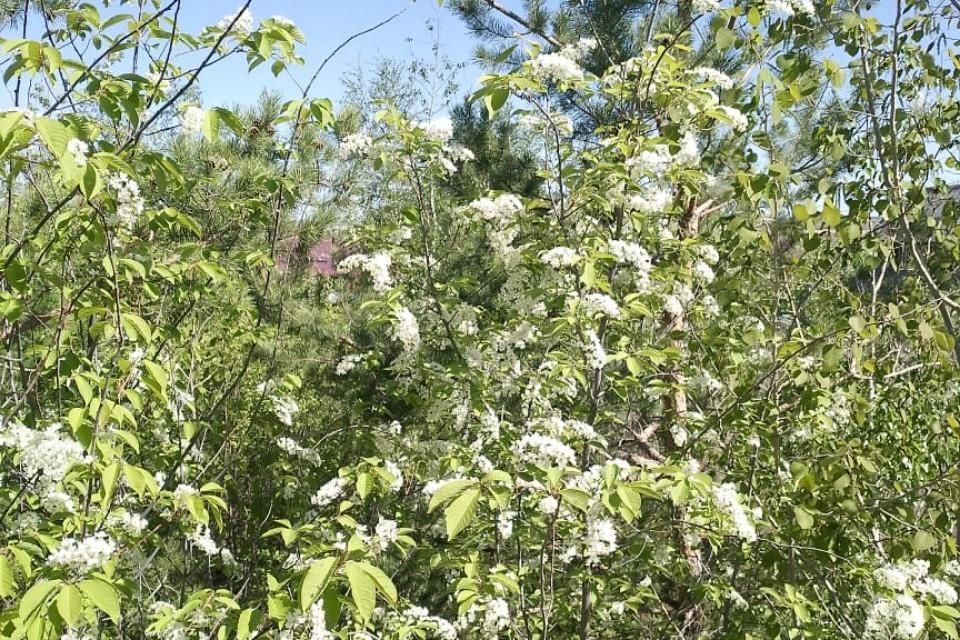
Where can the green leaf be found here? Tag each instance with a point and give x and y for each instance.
(35, 597)
(944, 611)
(69, 603)
(803, 517)
(248, 620)
(103, 595)
(949, 627)
(7, 583)
(448, 491)
(211, 125)
(576, 497)
(461, 512)
(923, 540)
(831, 215)
(725, 38)
(363, 589)
(315, 580)
(494, 100)
(54, 135)
(384, 583)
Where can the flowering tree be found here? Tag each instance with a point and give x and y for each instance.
(700, 384)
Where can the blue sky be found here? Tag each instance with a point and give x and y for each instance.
(326, 24)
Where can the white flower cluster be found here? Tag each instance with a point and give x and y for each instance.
(561, 66)
(500, 212)
(192, 119)
(505, 523)
(129, 200)
(594, 352)
(892, 618)
(438, 129)
(133, 524)
(294, 448)
(397, 474)
(243, 24)
(706, 6)
(544, 451)
(600, 303)
(385, 533)
(689, 152)
(487, 617)
(406, 330)
(47, 454)
(914, 576)
(348, 363)
(713, 76)
(84, 554)
(79, 150)
(355, 145)
(329, 492)
(202, 540)
(459, 153)
(419, 618)
(502, 208)
(285, 408)
(284, 21)
(703, 272)
(377, 266)
(673, 306)
(601, 540)
(738, 121)
(728, 501)
(633, 254)
(559, 257)
(651, 162)
(790, 7)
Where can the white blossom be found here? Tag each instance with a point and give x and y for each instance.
(129, 200)
(728, 501)
(355, 145)
(600, 303)
(83, 555)
(79, 150)
(601, 540)
(386, 533)
(894, 618)
(544, 451)
(594, 352)
(554, 66)
(243, 24)
(406, 329)
(703, 272)
(505, 523)
(348, 363)
(329, 492)
(438, 129)
(713, 76)
(192, 119)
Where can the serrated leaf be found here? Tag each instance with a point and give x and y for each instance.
(461, 511)
(35, 598)
(103, 596)
(7, 583)
(384, 583)
(363, 589)
(576, 498)
(923, 540)
(69, 603)
(448, 491)
(211, 125)
(803, 518)
(315, 580)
